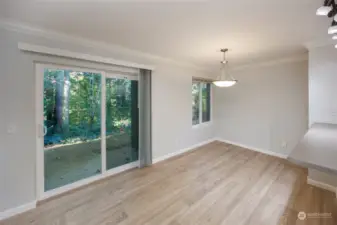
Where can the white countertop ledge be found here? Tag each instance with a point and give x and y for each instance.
(317, 149)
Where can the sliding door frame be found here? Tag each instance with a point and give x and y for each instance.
(41, 194)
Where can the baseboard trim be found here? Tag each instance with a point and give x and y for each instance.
(181, 151)
(322, 185)
(267, 152)
(18, 210)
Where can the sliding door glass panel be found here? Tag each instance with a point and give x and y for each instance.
(72, 126)
(121, 122)
(206, 101)
(195, 103)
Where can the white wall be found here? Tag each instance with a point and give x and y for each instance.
(269, 105)
(323, 85)
(171, 111)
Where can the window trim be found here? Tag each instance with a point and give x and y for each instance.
(207, 123)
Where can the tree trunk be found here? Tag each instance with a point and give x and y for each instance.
(59, 101)
(108, 106)
(92, 103)
(66, 93)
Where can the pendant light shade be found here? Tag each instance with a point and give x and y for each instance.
(333, 28)
(225, 80)
(225, 83)
(325, 9)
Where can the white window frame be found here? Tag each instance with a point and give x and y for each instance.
(201, 124)
(41, 194)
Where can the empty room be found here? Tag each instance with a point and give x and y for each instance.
(168, 112)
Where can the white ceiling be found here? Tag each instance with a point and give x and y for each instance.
(187, 30)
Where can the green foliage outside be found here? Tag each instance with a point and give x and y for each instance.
(72, 106)
(200, 91)
(195, 103)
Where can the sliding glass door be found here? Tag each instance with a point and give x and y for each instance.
(72, 126)
(89, 127)
(121, 120)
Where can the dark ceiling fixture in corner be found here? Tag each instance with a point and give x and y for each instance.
(333, 28)
(329, 9)
(326, 8)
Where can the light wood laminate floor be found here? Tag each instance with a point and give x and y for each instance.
(217, 184)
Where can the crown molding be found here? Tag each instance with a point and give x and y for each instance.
(59, 36)
(77, 55)
(290, 59)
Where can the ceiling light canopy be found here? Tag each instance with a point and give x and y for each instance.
(224, 80)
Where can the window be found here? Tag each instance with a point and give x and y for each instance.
(201, 102)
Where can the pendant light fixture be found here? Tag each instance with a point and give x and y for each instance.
(325, 9)
(329, 9)
(224, 80)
